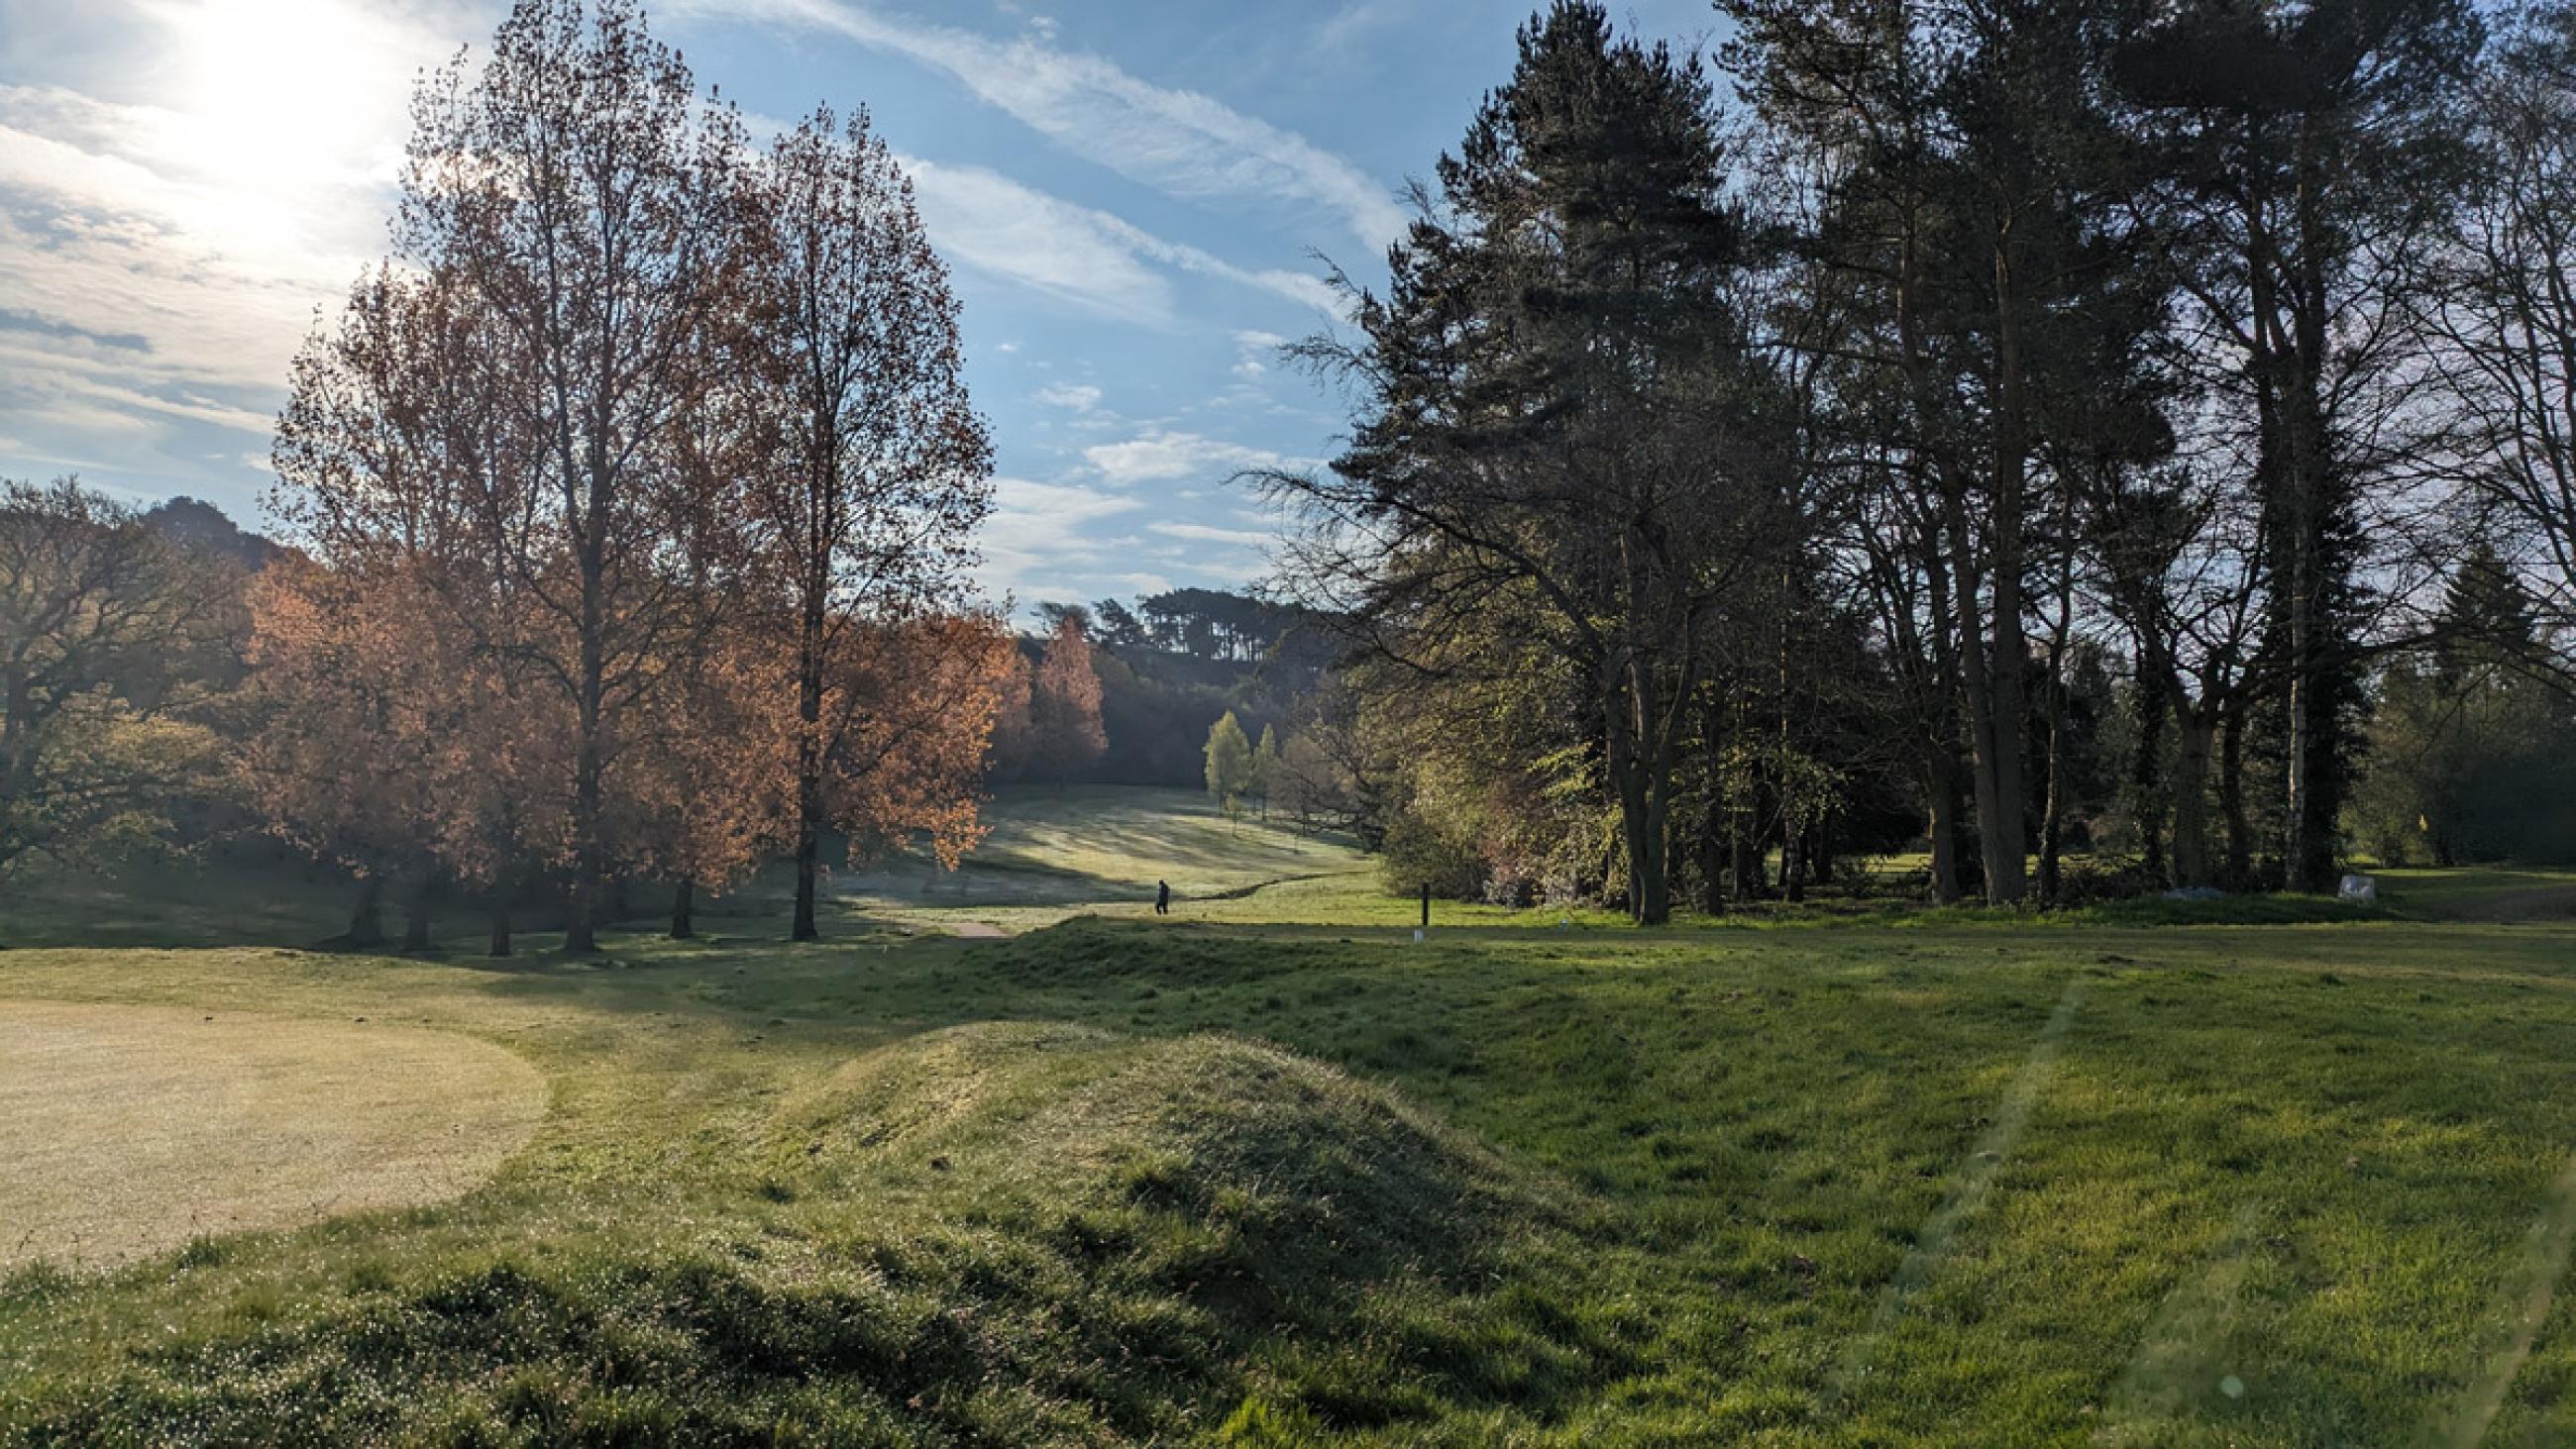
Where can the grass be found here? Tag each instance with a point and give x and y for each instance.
(132, 1130)
(1089, 845)
(1271, 1174)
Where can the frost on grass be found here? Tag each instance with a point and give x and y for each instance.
(1301, 1179)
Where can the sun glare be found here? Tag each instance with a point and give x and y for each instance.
(283, 94)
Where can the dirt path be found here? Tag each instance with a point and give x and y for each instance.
(977, 931)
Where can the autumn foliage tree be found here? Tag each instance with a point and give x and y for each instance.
(1065, 733)
(879, 477)
(913, 706)
(578, 192)
(355, 706)
(708, 794)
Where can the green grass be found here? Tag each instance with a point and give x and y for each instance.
(1951, 1178)
(1086, 845)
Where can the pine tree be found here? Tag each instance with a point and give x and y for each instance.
(1567, 452)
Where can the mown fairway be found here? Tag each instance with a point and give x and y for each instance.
(2093, 1181)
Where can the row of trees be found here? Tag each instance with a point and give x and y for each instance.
(1731, 481)
(637, 489)
(169, 682)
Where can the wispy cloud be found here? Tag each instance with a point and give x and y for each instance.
(1206, 533)
(1160, 455)
(1073, 397)
(1180, 141)
(1077, 254)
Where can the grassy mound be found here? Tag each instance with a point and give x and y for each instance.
(1274, 1187)
(997, 1233)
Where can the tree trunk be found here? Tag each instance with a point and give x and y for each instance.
(2191, 864)
(581, 914)
(1712, 858)
(1941, 790)
(416, 917)
(2147, 764)
(500, 924)
(1641, 823)
(367, 916)
(2052, 820)
(2004, 836)
(809, 765)
(2231, 801)
(684, 910)
(1994, 735)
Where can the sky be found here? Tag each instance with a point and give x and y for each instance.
(1138, 201)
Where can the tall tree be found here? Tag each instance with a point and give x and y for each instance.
(2307, 151)
(1562, 429)
(881, 471)
(577, 193)
(1967, 226)
(402, 459)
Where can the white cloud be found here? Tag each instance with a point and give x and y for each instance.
(1037, 533)
(985, 220)
(1204, 533)
(1160, 454)
(1091, 259)
(1183, 142)
(1055, 505)
(1254, 352)
(1080, 398)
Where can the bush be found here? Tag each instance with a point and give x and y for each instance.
(1418, 852)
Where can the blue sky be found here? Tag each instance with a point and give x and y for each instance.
(1131, 196)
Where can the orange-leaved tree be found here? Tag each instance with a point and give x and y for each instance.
(1064, 705)
(708, 795)
(880, 478)
(911, 707)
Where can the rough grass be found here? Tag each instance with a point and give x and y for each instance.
(131, 1130)
(2288, 1175)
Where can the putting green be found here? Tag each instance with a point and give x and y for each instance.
(128, 1130)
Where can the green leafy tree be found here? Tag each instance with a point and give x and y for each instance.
(1265, 769)
(105, 629)
(1229, 765)
(2472, 752)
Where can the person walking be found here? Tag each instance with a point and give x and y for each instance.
(1162, 898)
